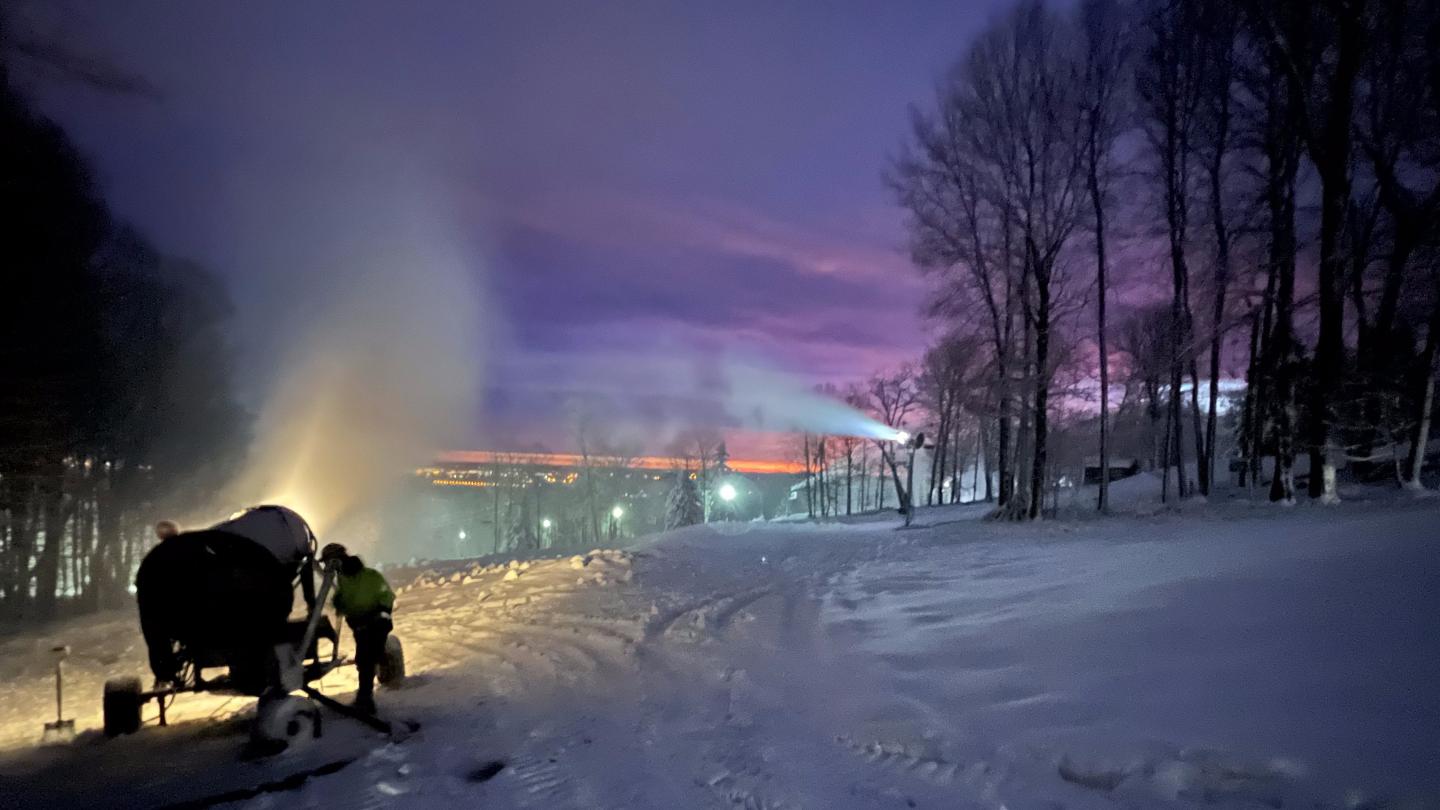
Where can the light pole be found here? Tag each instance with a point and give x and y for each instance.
(913, 444)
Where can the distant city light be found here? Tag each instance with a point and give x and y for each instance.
(727, 492)
(618, 512)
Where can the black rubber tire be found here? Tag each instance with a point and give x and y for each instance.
(121, 706)
(391, 669)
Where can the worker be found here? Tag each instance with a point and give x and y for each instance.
(364, 598)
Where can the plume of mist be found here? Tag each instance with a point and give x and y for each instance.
(652, 397)
(766, 399)
(383, 373)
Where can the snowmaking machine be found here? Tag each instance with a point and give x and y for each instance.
(220, 599)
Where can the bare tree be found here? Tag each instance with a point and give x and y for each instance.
(1398, 132)
(894, 397)
(583, 420)
(1426, 401)
(1170, 84)
(1145, 339)
(1104, 78)
(1216, 144)
(995, 185)
(855, 398)
(945, 373)
(1321, 47)
(1273, 383)
(960, 230)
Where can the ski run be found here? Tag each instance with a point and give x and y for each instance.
(1228, 655)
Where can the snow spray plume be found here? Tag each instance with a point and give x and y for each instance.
(382, 376)
(676, 389)
(770, 400)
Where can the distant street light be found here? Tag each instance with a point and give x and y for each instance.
(545, 524)
(618, 512)
(727, 492)
(462, 534)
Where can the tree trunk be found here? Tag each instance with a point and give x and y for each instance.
(985, 455)
(1097, 202)
(1167, 447)
(47, 565)
(1282, 162)
(957, 469)
(1176, 454)
(1249, 450)
(1332, 160)
(1202, 478)
(937, 458)
(1153, 410)
(1002, 450)
(1179, 339)
(849, 475)
(1329, 353)
(1042, 385)
(809, 480)
(1259, 375)
(24, 525)
(901, 498)
(1421, 436)
(109, 537)
(1217, 312)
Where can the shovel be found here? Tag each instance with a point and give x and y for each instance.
(62, 730)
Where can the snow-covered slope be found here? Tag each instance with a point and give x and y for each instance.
(1230, 656)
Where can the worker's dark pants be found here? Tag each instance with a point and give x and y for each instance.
(370, 635)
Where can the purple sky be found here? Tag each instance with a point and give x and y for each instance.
(690, 177)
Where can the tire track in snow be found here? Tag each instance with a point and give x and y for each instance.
(708, 615)
(897, 757)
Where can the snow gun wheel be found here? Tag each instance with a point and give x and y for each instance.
(121, 706)
(391, 669)
(281, 722)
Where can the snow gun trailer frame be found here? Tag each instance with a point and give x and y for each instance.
(281, 660)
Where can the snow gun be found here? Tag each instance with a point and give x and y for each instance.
(221, 599)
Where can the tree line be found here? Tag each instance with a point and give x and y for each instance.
(1251, 187)
(115, 388)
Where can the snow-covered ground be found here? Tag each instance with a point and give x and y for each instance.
(1230, 655)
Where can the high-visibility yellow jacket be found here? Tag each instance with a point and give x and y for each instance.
(363, 595)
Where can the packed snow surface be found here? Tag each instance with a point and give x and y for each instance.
(1231, 655)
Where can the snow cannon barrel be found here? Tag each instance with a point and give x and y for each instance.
(222, 596)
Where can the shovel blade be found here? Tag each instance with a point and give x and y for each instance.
(60, 731)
